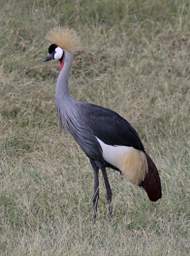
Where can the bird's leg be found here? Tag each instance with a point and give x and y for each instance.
(95, 197)
(96, 193)
(108, 191)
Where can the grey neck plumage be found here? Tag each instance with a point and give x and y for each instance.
(64, 102)
(62, 89)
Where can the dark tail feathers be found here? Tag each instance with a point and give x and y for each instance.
(151, 183)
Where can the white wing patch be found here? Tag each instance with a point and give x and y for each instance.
(130, 161)
(112, 154)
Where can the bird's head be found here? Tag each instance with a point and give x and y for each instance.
(56, 53)
(62, 40)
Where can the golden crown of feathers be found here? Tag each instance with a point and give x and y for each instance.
(65, 38)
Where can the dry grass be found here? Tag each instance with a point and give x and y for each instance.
(137, 63)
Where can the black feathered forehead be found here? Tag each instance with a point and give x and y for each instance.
(52, 48)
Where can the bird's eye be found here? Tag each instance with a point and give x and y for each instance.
(58, 53)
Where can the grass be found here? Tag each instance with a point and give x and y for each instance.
(137, 63)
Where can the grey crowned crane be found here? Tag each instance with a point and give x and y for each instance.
(107, 139)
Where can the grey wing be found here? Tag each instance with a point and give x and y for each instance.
(110, 127)
(87, 141)
(77, 124)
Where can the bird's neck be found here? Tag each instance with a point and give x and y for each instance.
(62, 85)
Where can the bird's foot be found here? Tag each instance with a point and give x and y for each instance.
(94, 217)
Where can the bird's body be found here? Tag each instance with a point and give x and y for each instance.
(106, 138)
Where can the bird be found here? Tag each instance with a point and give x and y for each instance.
(106, 138)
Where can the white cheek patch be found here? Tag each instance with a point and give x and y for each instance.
(58, 53)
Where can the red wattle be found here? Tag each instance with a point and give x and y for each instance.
(61, 64)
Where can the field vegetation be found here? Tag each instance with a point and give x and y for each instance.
(137, 62)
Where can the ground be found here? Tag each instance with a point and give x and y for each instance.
(135, 61)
